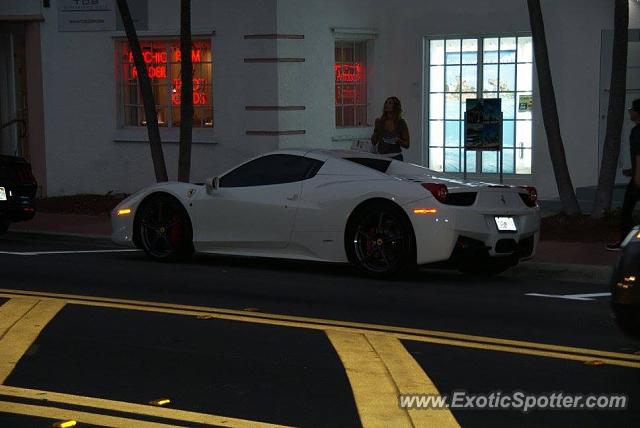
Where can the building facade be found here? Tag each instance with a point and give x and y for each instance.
(272, 74)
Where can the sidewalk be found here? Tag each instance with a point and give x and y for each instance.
(66, 224)
(569, 261)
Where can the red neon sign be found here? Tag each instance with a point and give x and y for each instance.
(199, 97)
(195, 55)
(156, 62)
(348, 95)
(348, 73)
(157, 72)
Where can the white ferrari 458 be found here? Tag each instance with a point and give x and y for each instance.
(379, 214)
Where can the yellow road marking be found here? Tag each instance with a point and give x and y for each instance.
(410, 378)
(374, 391)
(11, 312)
(89, 418)
(379, 368)
(23, 333)
(138, 409)
(420, 335)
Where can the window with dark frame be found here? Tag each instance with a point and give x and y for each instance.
(163, 60)
(350, 70)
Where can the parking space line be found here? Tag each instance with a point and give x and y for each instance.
(588, 296)
(410, 378)
(23, 332)
(375, 393)
(46, 253)
(183, 416)
(64, 414)
(427, 336)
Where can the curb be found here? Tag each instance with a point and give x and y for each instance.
(593, 274)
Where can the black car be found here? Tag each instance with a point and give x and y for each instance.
(625, 285)
(18, 189)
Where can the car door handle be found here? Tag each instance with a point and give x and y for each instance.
(293, 197)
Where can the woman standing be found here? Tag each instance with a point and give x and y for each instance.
(391, 133)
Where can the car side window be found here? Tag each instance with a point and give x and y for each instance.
(271, 169)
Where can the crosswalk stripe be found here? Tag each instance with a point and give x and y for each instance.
(410, 378)
(23, 332)
(374, 391)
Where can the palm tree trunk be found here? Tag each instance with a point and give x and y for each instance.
(155, 143)
(186, 96)
(550, 112)
(615, 112)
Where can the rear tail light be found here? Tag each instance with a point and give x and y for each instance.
(530, 198)
(438, 190)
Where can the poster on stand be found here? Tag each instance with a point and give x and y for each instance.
(483, 124)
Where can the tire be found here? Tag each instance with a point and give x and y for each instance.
(163, 229)
(380, 241)
(487, 266)
(4, 226)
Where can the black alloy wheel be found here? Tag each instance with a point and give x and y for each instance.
(381, 241)
(164, 229)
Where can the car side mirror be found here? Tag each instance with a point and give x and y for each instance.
(212, 183)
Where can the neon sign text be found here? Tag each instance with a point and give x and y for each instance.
(156, 62)
(199, 96)
(157, 72)
(348, 95)
(348, 73)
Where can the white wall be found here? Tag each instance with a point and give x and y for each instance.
(20, 7)
(573, 30)
(312, 83)
(80, 99)
(634, 14)
(80, 92)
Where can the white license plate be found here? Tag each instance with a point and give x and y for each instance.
(506, 224)
(3, 194)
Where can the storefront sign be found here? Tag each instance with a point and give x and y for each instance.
(157, 64)
(346, 94)
(86, 15)
(199, 96)
(348, 73)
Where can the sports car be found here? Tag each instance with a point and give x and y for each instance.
(379, 214)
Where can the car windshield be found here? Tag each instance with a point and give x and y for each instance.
(378, 164)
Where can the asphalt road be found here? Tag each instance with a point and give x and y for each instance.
(92, 333)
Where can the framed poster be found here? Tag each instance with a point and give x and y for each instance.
(525, 103)
(483, 124)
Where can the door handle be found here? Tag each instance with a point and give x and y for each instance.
(293, 197)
